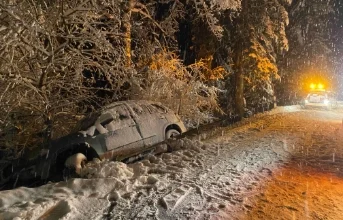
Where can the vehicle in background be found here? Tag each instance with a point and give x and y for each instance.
(117, 131)
(321, 99)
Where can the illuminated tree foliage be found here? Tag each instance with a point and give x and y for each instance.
(249, 35)
(259, 37)
(62, 59)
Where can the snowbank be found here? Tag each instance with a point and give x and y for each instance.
(217, 177)
(104, 182)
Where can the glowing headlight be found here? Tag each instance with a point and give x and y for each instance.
(306, 101)
(326, 101)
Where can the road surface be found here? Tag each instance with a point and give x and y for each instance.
(285, 164)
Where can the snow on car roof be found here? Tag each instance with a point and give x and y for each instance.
(91, 118)
(139, 102)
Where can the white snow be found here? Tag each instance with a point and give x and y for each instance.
(216, 174)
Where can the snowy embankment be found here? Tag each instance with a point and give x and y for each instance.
(213, 175)
(196, 175)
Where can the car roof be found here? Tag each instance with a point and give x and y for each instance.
(320, 92)
(131, 102)
(89, 119)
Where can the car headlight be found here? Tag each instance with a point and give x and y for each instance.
(326, 101)
(306, 101)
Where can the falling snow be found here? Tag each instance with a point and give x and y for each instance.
(285, 164)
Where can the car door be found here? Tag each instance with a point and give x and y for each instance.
(120, 132)
(151, 123)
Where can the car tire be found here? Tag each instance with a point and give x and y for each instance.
(172, 133)
(74, 165)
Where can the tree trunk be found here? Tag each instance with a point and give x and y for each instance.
(242, 43)
(239, 92)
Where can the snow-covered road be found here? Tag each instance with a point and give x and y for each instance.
(285, 164)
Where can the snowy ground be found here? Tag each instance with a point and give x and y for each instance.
(286, 164)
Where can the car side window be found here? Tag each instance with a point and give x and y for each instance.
(137, 109)
(141, 109)
(110, 120)
(103, 120)
(121, 118)
(87, 122)
(151, 109)
(159, 108)
(87, 126)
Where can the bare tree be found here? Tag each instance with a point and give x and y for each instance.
(60, 59)
(57, 58)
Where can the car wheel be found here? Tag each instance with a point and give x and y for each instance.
(74, 165)
(172, 133)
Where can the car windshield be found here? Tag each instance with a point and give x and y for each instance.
(87, 121)
(318, 94)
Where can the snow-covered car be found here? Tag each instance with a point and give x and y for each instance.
(322, 99)
(117, 131)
